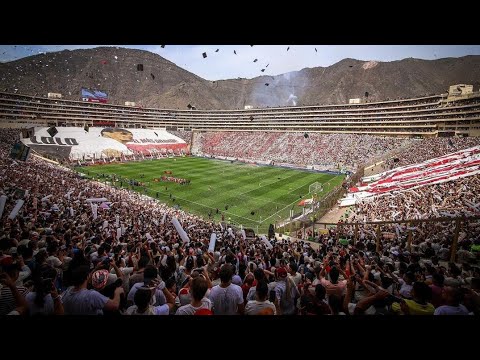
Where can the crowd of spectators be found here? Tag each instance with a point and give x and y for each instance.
(449, 200)
(430, 148)
(79, 247)
(328, 150)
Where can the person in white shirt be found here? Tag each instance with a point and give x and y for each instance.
(293, 274)
(406, 284)
(254, 307)
(143, 297)
(198, 290)
(227, 298)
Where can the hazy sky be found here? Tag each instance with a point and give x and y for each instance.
(224, 64)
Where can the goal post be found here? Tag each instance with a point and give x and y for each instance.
(315, 188)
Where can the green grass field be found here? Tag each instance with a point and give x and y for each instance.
(270, 192)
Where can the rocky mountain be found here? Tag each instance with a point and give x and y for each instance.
(162, 84)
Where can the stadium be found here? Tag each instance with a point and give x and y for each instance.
(363, 207)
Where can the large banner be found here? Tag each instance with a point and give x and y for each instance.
(94, 95)
(438, 170)
(20, 152)
(77, 144)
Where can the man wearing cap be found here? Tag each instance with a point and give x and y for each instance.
(100, 279)
(237, 280)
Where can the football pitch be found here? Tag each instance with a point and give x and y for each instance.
(248, 195)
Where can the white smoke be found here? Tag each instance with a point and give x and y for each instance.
(282, 90)
(293, 98)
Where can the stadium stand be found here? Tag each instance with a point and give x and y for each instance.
(325, 151)
(427, 116)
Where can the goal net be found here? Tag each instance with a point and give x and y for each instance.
(315, 188)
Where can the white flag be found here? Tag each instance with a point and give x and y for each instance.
(97, 200)
(67, 195)
(181, 232)
(243, 234)
(16, 209)
(266, 242)
(213, 240)
(45, 198)
(3, 200)
(94, 210)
